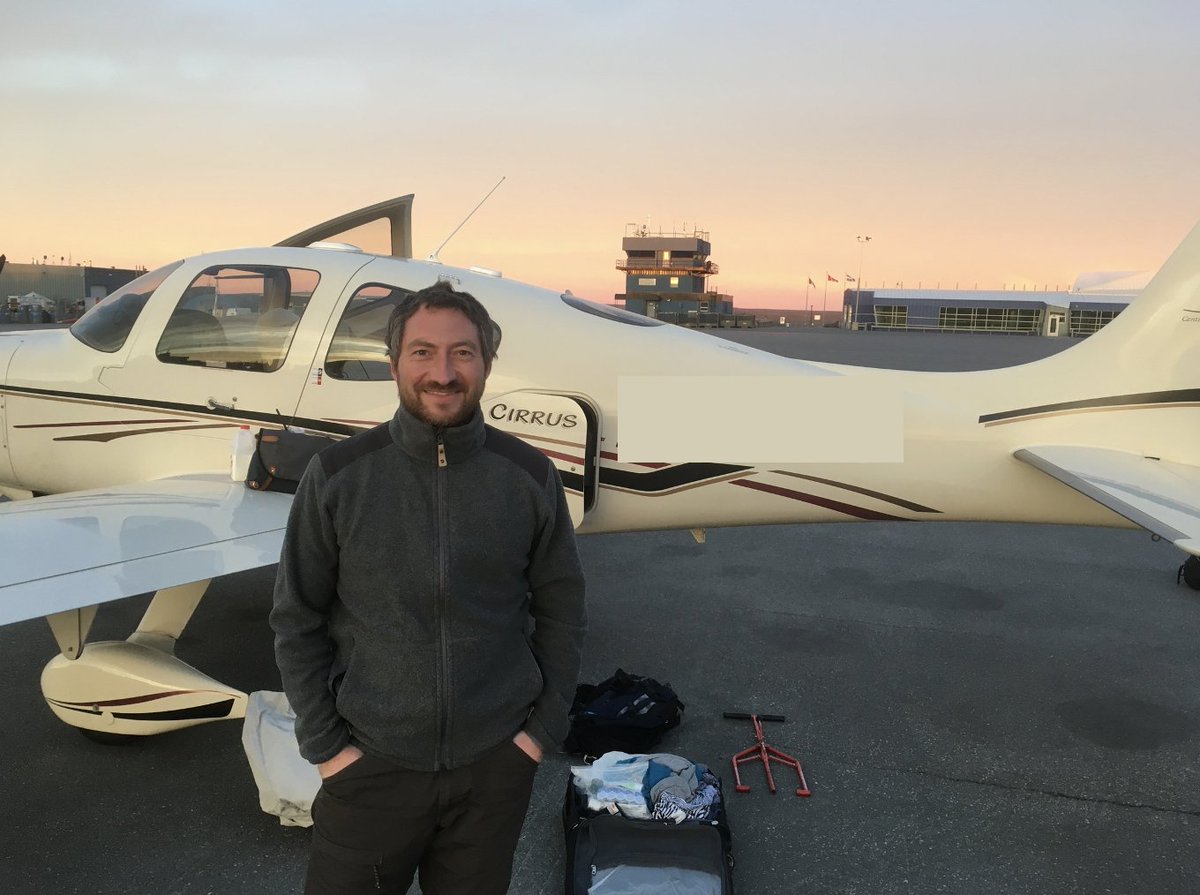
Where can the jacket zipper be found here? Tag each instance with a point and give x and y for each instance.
(441, 526)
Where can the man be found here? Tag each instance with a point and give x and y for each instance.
(416, 554)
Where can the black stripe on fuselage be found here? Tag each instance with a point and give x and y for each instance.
(667, 478)
(234, 416)
(1174, 396)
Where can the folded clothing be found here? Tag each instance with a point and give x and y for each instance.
(699, 805)
(659, 785)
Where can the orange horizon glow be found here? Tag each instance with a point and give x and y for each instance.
(1014, 147)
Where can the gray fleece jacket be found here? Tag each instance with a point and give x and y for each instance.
(413, 561)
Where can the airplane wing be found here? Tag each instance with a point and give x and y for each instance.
(1161, 496)
(67, 551)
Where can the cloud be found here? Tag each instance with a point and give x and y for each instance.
(58, 73)
(225, 79)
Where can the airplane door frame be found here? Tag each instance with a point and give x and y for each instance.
(591, 455)
(545, 420)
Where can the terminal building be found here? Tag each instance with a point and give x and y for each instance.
(50, 293)
(666, 277)
(1094, 300)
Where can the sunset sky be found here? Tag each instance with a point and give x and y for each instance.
(1018, 144)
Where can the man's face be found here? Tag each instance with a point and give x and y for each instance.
(440, 371)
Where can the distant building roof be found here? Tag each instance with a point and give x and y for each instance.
(1112, 282)
(981, 296)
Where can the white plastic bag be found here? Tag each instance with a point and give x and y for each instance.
(287, 783)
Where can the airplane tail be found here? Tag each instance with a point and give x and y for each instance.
(1122, 425)
(1154, 344)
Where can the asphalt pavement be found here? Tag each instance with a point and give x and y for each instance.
(978, 707)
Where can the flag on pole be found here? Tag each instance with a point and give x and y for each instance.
(849, 279)
(830, 279)
(811, 283)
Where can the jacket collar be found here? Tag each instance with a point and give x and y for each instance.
(419, 439)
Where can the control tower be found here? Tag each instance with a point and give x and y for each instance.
(666, 275)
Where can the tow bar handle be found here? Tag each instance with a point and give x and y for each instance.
(746, 716)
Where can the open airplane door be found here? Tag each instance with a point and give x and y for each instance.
(566, 428)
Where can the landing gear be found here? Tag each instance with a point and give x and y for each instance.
(1190, 572)
(115, 690)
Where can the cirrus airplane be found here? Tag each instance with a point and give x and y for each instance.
(116, 435)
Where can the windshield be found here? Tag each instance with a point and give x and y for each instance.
(107, 324)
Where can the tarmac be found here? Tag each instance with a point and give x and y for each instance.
(978, 707)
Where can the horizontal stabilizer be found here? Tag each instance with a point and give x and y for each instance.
(1161, 496)
(67, 551)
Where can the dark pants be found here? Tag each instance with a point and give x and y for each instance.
(375, 824)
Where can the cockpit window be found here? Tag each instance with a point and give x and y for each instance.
(238, 317)
(620, 315)
(107, 324)
(358, 351)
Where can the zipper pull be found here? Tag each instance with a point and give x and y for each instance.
(441, 448)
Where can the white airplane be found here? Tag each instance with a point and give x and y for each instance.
(115, 437)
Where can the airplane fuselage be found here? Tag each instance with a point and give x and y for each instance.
(127, 423)
(75, 417)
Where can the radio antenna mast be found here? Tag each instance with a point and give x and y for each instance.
(433, 256)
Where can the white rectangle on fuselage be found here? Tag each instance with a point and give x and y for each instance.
(759, 419)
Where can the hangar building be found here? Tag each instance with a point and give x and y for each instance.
(64, 291)
(1094, 300)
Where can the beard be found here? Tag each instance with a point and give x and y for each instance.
(411, 399)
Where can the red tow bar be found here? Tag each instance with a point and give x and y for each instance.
(764, 753)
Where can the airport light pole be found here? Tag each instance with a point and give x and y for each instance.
(862, 248)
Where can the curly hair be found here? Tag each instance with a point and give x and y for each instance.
(441, 295)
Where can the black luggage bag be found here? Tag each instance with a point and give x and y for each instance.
(625, 713)
(610, 854)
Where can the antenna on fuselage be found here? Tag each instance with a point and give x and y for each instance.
(433, 256)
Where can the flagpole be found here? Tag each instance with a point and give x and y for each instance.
(862, 248)
(806, 304)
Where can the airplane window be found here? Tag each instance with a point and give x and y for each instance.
(620, 315)
(107, 324)
(237, 318)
(358, 352)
